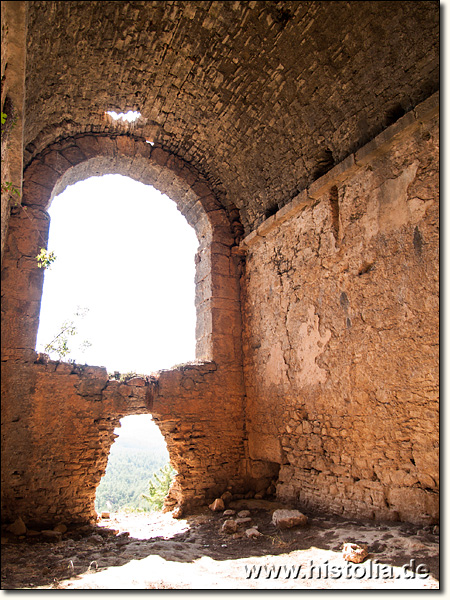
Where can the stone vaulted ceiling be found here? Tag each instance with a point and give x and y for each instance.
(260, 97)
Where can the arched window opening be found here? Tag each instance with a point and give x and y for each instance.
(139, 474)
(123, 279)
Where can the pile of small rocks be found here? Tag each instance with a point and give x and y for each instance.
(19, 529)
(241, 522)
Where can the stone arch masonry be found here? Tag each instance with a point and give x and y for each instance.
(59, 418)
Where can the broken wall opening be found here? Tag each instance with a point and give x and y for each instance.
(139, 454)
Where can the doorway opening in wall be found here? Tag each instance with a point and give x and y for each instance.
(121, 294)
(139, 474)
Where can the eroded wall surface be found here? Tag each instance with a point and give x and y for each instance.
(341, 332)
(339, 296)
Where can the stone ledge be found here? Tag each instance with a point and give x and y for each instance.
(335, 176)
(423, 112)
(199, 366)
(383, 141)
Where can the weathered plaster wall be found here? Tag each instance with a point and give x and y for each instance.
(249, 105)
(340, 292)
(341, 332)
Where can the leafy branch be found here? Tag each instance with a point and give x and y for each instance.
(60, 343)
(9, 188)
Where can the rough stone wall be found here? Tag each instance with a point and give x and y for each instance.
(341, 332)
(247, 105)
(340, 311)
(199, 410)
(13, 56)
(57, 434)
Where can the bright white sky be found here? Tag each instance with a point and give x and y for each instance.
(126, 253)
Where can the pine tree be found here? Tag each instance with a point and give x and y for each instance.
(159, 485)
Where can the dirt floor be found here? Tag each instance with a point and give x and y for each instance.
(156, 551)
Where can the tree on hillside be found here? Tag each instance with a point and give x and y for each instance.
(159, 485)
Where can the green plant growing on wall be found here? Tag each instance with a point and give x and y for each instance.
(45, 259)
(158, 486)
(9, 188)
(8, 118)
(60, 343)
